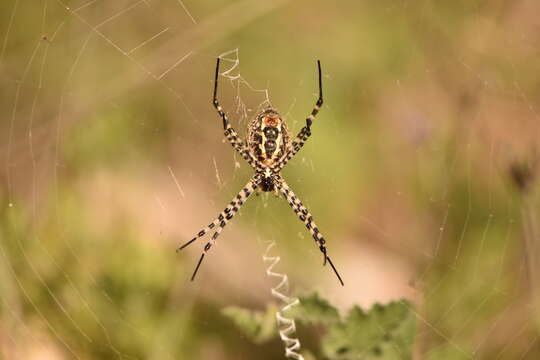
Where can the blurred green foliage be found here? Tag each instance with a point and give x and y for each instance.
(384, 332)
(421, 172)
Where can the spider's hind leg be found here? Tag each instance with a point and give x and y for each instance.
(304, 215)
(221, 221)
(202, 232)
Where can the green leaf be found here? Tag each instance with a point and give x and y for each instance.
(314, 310)
(258, 326)
(385, 332)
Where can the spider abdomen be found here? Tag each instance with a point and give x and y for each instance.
(268, 137)
(269, 147)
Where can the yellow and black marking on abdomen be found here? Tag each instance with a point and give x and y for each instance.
(268, 137)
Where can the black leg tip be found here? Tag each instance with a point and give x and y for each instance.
(197, 267)
(186, 244)
(335, 271)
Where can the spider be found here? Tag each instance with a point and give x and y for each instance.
(267, 149)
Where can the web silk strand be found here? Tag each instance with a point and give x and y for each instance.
(286, 326)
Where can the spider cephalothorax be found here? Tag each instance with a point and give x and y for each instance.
(267, 150)
(267, 183)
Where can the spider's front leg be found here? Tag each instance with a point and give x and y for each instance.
(305, 216)
(231, 134)
(305, 132)
(223, 218)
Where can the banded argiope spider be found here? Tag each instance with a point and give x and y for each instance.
(267, 150)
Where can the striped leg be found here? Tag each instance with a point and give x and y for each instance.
(305, 132)
(230, 133)
(307, 219)
(223, 218)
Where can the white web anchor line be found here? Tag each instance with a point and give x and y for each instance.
(286, 326)
(233, 57)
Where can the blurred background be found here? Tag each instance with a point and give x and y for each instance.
(420, 171)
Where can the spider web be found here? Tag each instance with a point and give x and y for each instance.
(86, 214)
